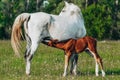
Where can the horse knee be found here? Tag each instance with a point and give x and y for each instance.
(29, 57)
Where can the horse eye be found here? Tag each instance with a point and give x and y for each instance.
(63, 10)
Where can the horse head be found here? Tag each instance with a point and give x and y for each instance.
(70, 9)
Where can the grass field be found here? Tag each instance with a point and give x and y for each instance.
(48, 63)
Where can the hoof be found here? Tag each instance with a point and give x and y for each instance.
(103, 74)
(64, 75)
(97, 75)
(73, 73)
(28, 74)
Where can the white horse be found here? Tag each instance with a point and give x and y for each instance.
(37, 26)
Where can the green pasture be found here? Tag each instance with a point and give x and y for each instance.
(48, 63)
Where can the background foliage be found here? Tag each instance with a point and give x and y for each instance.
(102, 17)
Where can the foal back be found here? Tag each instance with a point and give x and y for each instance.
(85, 43)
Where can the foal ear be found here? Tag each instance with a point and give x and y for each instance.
(66, 3)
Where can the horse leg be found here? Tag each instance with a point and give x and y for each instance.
(27, 46)
(75, 64)
(30, 56)
(74, 59)
(67, 57)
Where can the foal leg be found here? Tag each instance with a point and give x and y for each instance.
(67, 57)
(98, 60)
(29, 56)
(96, 63)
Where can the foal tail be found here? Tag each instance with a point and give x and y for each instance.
(17, 32)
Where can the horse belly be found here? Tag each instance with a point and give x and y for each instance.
(63, 32)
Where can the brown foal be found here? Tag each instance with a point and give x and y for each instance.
(72, 47)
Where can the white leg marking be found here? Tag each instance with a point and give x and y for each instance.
(65, 71)
(27, 67)
(66, 66)
(97, 69)
(103, 73)
(96, 66)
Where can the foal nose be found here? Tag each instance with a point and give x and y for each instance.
(50, 43)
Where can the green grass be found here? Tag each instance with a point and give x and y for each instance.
(48, 63)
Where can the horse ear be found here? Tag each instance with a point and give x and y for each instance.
(66, 3)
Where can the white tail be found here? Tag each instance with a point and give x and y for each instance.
(17, 32)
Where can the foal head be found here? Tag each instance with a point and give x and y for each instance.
(52, 42)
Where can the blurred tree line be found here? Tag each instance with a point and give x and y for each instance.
(102, 17)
